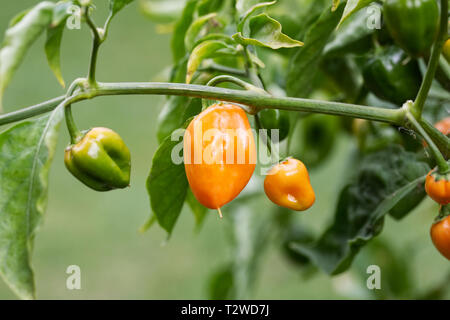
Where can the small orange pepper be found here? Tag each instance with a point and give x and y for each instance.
(440, 235)
(287, 184)
(437, 187)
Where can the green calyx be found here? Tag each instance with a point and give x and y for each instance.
(413, 24)
(100, 159)
(438, 176)
(391, 75)
(444, 212)
(274, 119)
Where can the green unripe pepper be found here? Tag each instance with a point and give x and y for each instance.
(272, 119)
(391, 75)
(413, 24)
(100, 159)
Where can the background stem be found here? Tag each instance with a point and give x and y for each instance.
(96, 42)
(31, 111)
(74, 133)
(433, 63)
(441, 163)
(442, 141)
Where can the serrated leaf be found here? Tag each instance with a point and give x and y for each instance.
(383, 180)
(205, 50)
(352, 7)
(116, 5)
(26, 152)
(167, 185)
(19, 38)
(266, 32)
(194, 30)
(304, 64)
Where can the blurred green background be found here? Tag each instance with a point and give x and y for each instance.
(99, 231)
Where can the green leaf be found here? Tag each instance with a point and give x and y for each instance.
(177, 43)
(308, 16)
(161, 11)
(318, 135)
(249, 12)
(177, 109)
(19, 38)
(169, 118)
(250, 227)
(116, 5)
(207, 6)
(26, 152)
(18, 17)
(243, 7)
(167, 185)
(175, 112)
(60, 12)
(353, 36)
(352, 7)
(52, 51)
(221, 284)
(296, 233)
(335, 5)
(304, 63)
(350, 85)
(205, 50)
(195, 28)
(266, 32)
(397, 281)
(382, 181)
(197, 209)
(54, 37)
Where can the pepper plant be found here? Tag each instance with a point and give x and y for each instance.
(314, 70)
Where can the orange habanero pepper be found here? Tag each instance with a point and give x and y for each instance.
(440, 233)
(219, 154)
(437, 187)
(287, 185)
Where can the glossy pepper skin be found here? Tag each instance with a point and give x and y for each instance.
(437, 187)
(274, 119)
(100, 159)
(392, 76)
(440, 233)
(219, 154)
(287, 184)
(413, 24)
